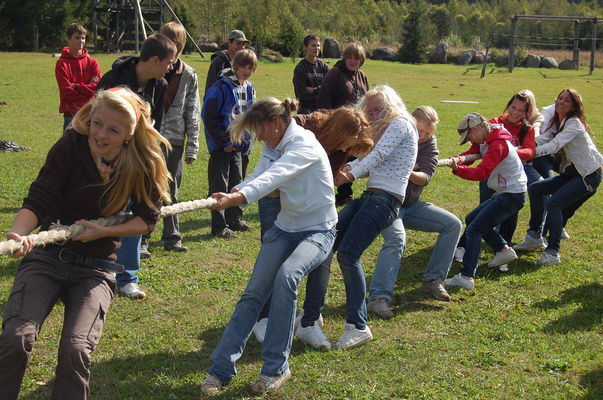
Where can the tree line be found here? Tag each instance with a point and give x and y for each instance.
(280, 24)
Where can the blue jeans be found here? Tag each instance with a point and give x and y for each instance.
(566, 190)
(359, 224)
(284, 259)
(480, 225)
(129, 255)
(422, 217)
(66, 121)
(318, 279)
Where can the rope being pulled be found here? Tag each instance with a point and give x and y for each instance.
(446, 162)
(62, 233)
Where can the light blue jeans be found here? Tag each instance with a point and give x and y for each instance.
(424, 217)
(129, 256)
(284, 259)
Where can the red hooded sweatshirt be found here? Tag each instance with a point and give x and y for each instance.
(78, 70)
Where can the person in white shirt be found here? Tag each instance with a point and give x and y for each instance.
(388, 166)
(578, 180)
(300, 240)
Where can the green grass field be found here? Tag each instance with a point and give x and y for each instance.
(532, 333)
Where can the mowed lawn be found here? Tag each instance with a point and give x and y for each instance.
(532, 333)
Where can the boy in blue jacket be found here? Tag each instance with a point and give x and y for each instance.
(229, 96)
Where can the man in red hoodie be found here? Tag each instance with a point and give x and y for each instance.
(77, 74)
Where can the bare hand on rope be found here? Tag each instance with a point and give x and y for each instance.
(27, 243)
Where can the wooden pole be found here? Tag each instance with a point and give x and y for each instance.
(593, 48)
(488, 43)
(576, 48)
(512, 44)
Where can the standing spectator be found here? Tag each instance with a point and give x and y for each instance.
(308, 76)
(77, 74)
(232, 94)
(143, 75)
(181, 122)
(344, 84)
(222, 60)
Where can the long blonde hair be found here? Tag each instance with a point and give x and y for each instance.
(263, 110)
(393, 107)
(141, 171)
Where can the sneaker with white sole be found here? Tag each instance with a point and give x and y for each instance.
(530, 243)
(458, 254)
(259, 330)
(353, 337)
(503, 257)
(131, 290)
(299, 318)
(270, 383)
(564, 234)
(459, 280)
(212, 385)
(548, 258)
(380, 307)
(314, 336)
(436, 289)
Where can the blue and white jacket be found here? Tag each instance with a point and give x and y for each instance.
(220, 107)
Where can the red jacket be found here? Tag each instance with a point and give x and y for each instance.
(80, 70)
(497, 151)
(527, 148)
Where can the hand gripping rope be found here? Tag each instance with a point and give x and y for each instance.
(60, 233)
(446, 162)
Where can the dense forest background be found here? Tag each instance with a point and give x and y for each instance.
(280, 24)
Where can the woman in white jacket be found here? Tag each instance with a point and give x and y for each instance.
(300, 240)
(578, 181)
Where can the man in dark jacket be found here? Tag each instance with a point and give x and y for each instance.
(221, 60)
(144, 76)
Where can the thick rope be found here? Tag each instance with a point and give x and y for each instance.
(60, 233)
(446, 162)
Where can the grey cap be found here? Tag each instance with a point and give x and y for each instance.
(469, 121)
(238, 35)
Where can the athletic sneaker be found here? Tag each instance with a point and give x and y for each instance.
(564, 234)
(503, 257)
(458, 254)
(436, 289)
(314, 336)
(270, 383)
(353, 337)
(299, 318)
(381, 307)
(259, 330)
(548, 258)
(131, 290)
(144, 250)
(212, 385)
(459, 280)
(530, 243)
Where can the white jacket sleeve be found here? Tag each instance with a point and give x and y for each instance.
(572, 128)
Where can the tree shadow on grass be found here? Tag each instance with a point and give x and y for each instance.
(593, 381)
(589, 315)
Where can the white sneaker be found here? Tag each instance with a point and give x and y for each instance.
(564, 234)
(353, 337)
(259, 330)
(459, 280)
(299, 318)
(548, 258)
(212, 385)
(131, 290)
(458, 254)
(529, 243)
(270, 383)
(314, 336)
(503, 257)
